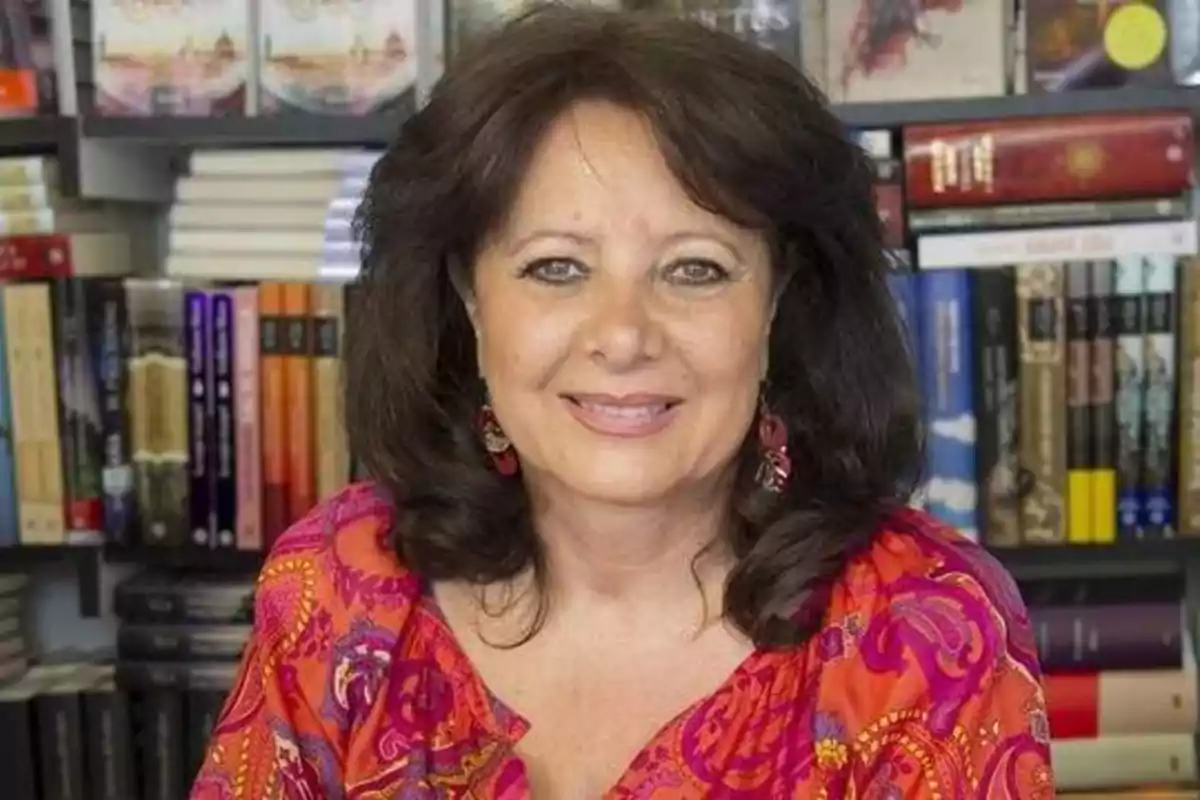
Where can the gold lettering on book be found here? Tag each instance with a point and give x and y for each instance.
(1085, 159)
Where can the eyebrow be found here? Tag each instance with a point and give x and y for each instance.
(547, 233)
(583, 239)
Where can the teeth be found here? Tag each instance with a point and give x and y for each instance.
(625, 412)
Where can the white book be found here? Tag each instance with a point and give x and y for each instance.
(295, 191)
(248, 242)
(1079, 243)
(223, 267)
(241, 217)
(277, 163)
(1124, 762)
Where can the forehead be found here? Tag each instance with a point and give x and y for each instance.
(599, 164)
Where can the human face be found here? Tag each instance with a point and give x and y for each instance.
(622, 329)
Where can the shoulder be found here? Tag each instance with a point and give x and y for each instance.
(918, 569)
(930, 629)
(928, 673)
(333, 571)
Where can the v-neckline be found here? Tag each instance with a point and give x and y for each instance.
(509, 725)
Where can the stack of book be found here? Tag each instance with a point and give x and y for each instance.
(269, 214)
(1121, 681)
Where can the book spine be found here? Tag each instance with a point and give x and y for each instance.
(1189, 398)
(60, 739)
(1108, 637)
(1103, 411)
(108, 747)
(946, 377)
(273, 414)
(1158, 407)
(1087, 705)
(1036, 215)
(246, 411)
(9, 521)
(1143, 759)
(298, 370)
(1043, 402)
(200, 508)
(158, 409)
(109, 336)
(224, 451)
(18, 350)
(1079, 429)
(18, 738)
(1035, 159)
(1128, 380)
(1076, 243)
(49, 507)
(161, 744)
(997, 364)
(79, 413)
(333, 461)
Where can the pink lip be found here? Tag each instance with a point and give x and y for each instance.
(628, 416)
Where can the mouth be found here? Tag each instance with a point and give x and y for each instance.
(627, 416)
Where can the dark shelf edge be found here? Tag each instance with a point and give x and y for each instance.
(1093, 101)
(284, 130)
(35, 134)
(192, 559)
(1068, 561)
(380, 129)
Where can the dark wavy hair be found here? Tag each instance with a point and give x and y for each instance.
(750, 138)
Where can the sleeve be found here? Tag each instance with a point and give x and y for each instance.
(955, 706)
(270, 740)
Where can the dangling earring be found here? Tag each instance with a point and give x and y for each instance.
(776, 466)
(498, 445)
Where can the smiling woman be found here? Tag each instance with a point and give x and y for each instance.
(641, 427)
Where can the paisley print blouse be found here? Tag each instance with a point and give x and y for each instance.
(923, 683)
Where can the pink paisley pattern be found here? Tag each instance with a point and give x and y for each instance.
(922, 683)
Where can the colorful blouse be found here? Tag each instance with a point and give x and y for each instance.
(922, 683)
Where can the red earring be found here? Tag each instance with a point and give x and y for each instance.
(776, 466)
(498, 445)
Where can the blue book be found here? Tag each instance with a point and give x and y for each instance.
(904, 290)
(10, 532)
(947, 387)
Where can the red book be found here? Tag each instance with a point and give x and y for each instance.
(1045, 159)
(1088, 705)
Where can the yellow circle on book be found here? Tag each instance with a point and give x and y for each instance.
(1135, 36)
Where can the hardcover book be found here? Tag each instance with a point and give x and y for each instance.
(170, 59)
(336, 58)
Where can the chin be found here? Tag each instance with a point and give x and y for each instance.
(625, 482)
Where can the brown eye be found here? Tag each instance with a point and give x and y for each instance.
(554, 270)
(696, 272)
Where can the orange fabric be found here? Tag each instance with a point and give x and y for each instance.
(922, 683)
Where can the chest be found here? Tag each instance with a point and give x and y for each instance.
(590, 715)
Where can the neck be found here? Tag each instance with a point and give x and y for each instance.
(626, 556)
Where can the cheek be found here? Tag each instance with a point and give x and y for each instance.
(520, 342)
(725, 348)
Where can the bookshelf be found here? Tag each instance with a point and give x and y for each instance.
(36, 134)
(1095, 101)
(193, 132)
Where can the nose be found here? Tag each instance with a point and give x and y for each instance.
(622, 332)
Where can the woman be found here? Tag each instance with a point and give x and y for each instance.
(633, 393)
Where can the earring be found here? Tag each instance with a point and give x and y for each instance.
(776, 465)
(498, 445)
